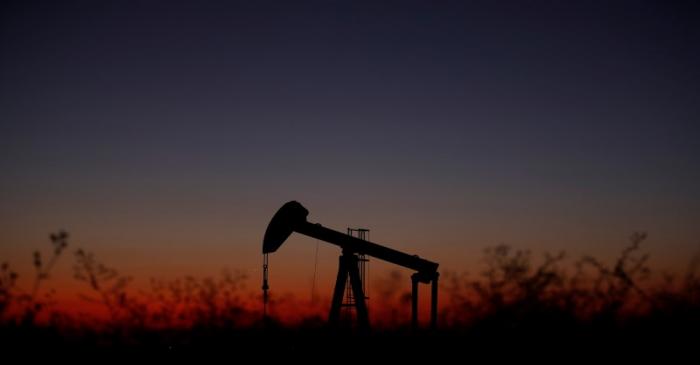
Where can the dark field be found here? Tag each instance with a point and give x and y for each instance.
(515, 309)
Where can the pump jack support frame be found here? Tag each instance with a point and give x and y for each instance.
(348, 266)
(431, 278)
(291, 217)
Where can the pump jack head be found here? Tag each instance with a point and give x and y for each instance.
(282, 225)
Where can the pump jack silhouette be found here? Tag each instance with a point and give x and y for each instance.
(291, 217)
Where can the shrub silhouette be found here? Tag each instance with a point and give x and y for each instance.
(8, 287)
(515, 298)
(23, 305)
(181, 303)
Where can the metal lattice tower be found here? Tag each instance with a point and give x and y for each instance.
(349, 301)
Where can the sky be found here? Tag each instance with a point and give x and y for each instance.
(163, 135)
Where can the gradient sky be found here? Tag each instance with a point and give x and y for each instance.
(164, 135)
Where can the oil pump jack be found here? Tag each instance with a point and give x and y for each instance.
(291, 217)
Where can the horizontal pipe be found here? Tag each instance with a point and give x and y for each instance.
(360, 246)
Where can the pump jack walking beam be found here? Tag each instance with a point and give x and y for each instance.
(291, 217)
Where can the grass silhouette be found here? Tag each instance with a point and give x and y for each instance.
(513, 302)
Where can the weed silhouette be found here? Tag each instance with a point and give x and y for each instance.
(22, 306)
(516, 300)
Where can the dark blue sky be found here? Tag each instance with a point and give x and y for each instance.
(551, 123)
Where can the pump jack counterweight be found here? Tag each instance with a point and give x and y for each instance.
(291, 217)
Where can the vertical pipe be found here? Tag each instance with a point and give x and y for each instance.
(265, 286)
(434, 301)
(414, 301)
